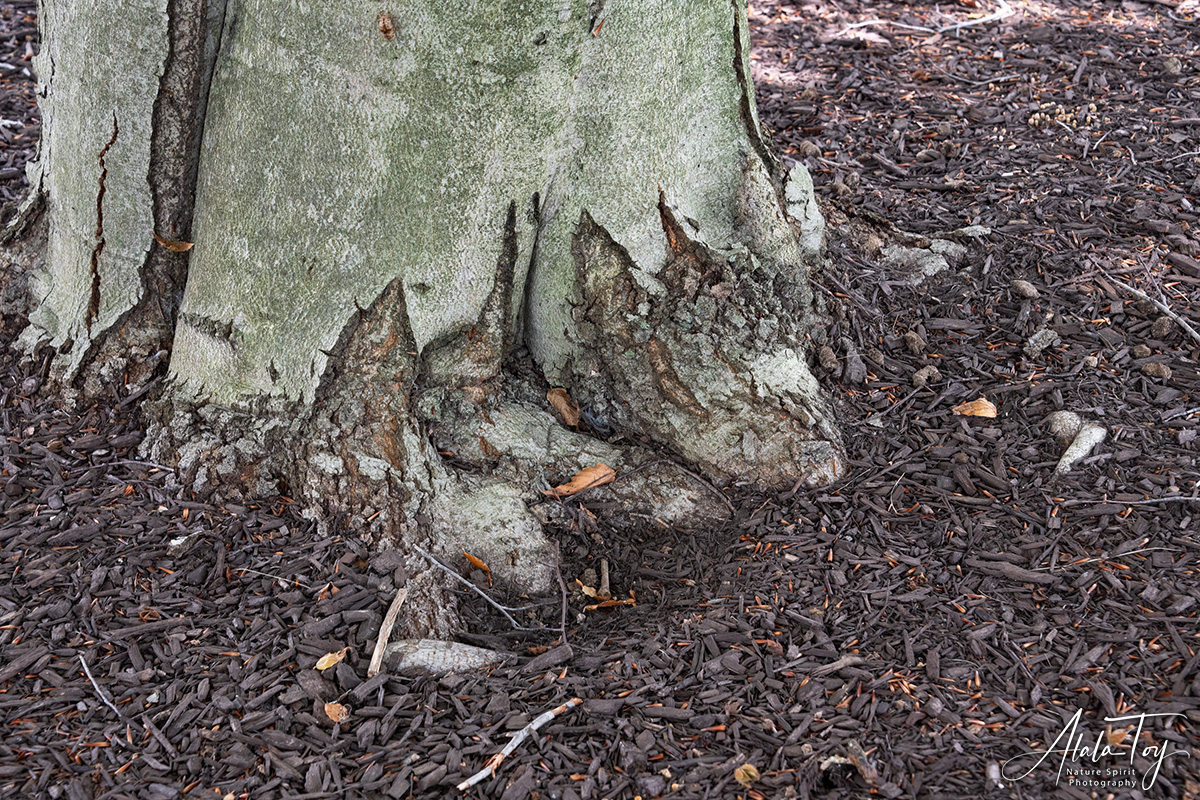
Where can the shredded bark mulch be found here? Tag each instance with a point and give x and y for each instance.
(948, 606)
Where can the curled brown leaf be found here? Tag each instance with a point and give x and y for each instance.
(568, 411)
(597, 475)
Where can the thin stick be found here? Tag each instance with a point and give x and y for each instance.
(1180, 321)
(99, 691)
(493, 763)
(563, 588)
(1157, 500)
(385, 630)
(605, 591)
(279, 578)
(1003, 12)
(904, 25)
(502, 609)
(1186, 412)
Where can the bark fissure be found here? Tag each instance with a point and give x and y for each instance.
(176, 127)
(522, 318)
(94, 297)
(216, 328)
(596, 16)
(475, 353)
(176, 132)
(668, 381)
(740, 67)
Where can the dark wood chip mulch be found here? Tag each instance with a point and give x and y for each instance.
(946, 607)
(20, 124)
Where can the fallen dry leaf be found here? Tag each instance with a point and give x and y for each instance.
(330, 659)
(478, 563)
(1116, 736)
(746, 774)
(173, 245)
(979, 407)
(587, 590)
(862, 762)
(561, 401)
(598, 475)
(337, 712)
(629, 601)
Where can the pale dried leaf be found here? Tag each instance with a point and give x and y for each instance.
(337, 712)
(628, 601)
(598, 475)
(330, 659)
(173, 245)
(1116, 736)
(561, 401)
(979, 407)
(477, 563)
(587, 590)
(746, 774)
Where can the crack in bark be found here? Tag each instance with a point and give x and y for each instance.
(691, 267)
(740, 67)
(209, 326)
(596, 12)
(522, 318)
(94, 298)
(177, 123)
(475, 353)
(176, 128)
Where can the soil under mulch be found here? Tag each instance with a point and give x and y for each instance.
(948, 606)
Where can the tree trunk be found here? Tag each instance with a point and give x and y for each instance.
(409, 220)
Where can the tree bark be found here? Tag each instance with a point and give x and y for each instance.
(408, 221)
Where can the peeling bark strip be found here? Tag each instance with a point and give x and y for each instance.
(668, 381)
(94, 299)
(691, 267)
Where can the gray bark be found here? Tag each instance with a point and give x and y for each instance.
(387, 202)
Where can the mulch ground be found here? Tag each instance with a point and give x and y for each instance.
(949, 605)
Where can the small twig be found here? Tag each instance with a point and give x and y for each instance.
(1181, 155)
(274, 577)
(1116, 556)
(906, 26)
(960, 79)
(1003, 12)
(1184, 412)
(605, 590)
(502, 609)
(563, 587)
(1180, 321)
(385, 630)
(96, 686)
(133, 463)
(493, 763)
(1156, 500)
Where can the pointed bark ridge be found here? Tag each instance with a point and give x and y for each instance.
(386, 204)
